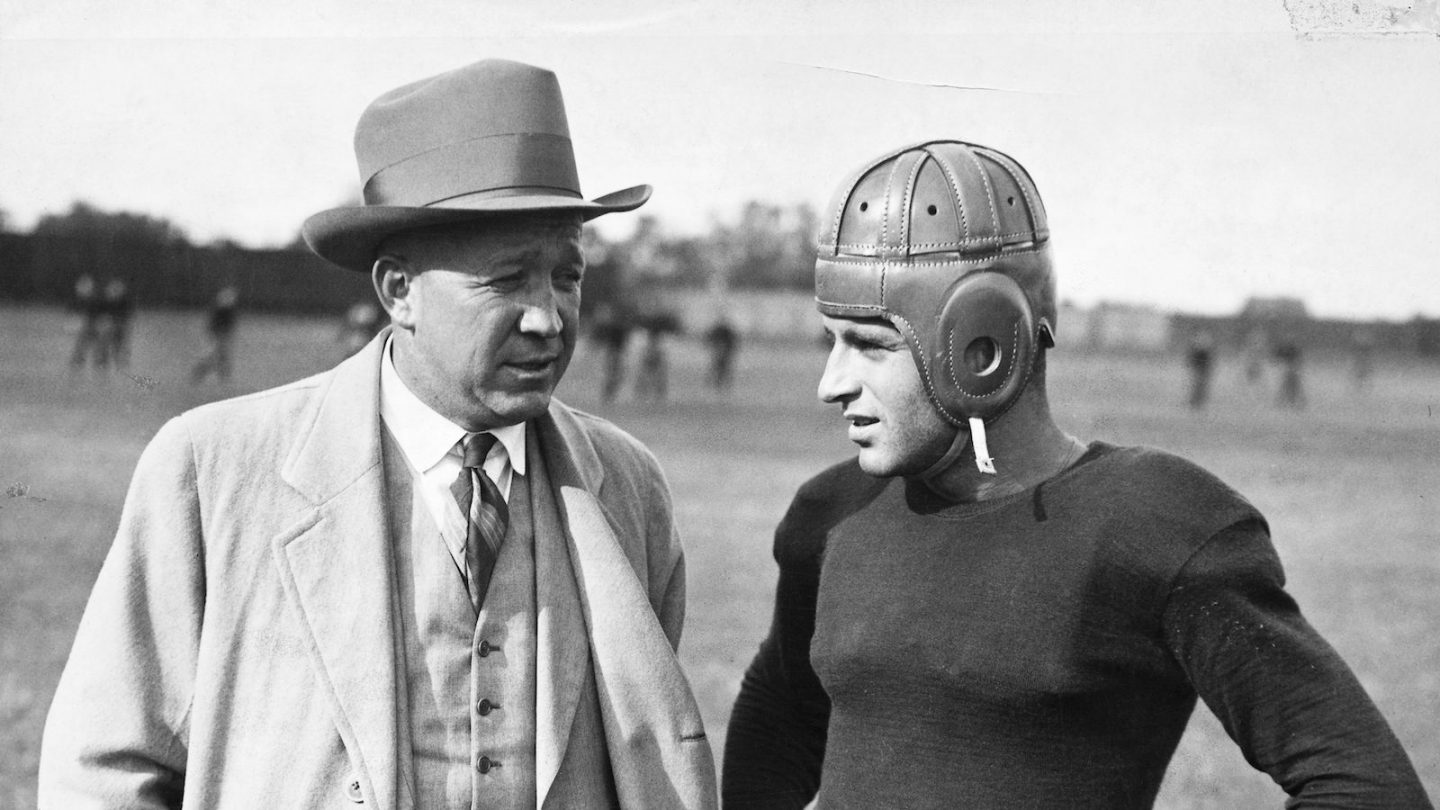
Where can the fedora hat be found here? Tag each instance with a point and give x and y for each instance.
(486, 139)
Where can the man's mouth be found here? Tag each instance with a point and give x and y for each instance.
(859, 420)
(533, 366)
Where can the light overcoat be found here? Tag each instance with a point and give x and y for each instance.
(238, 650)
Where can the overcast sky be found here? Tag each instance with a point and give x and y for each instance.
(1188, 158)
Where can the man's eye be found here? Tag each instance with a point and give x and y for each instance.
(510, 282)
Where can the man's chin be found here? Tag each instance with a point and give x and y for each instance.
(516, 408)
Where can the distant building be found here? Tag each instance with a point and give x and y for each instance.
(1128, 327)
(1073, 329)
(1427, 336)
(1281, 308)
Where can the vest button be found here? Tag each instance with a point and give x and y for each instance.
(485, 706)
(485, 648)
(485, 764)
(353, 793)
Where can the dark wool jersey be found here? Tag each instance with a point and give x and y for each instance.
(1041, 650)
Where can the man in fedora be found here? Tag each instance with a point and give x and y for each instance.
(415, 580)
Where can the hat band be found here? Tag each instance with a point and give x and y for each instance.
(481, 165)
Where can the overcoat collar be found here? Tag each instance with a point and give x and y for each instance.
(342, 440)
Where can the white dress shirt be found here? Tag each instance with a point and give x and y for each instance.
(429, 442)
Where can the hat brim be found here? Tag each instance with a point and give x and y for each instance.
(348, 237)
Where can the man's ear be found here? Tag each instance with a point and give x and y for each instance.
(394, 286)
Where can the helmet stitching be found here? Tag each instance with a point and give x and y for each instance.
(924, 365)
(1017, 173)
(989, 188)
(954, 183)
(906, 202)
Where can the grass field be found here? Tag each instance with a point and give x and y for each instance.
(1351, 487)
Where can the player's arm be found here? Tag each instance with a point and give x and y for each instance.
(1281, 691)
(776, 738)
(117, 731)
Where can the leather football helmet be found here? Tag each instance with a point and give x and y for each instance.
(949, 242)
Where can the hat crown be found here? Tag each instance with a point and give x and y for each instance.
(488, 139)
(936, 197)
(489, 127)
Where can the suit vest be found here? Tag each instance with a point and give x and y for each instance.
(470, 685)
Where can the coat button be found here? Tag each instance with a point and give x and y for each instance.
(486, 764)
(485, 648)
(352, 791)
(485, 706)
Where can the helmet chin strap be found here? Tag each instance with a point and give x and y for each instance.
(974, 436)
(983, 461)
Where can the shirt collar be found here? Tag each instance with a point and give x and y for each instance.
(423, 434)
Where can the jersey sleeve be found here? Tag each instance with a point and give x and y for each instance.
(1280, 690)
(776, 738)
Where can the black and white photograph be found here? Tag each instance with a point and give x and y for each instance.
(757, 405)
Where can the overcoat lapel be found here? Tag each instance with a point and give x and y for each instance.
(336, 564)
(562, 647)
(652, 722)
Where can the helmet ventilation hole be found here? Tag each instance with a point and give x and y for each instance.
(864, 206)
(982, 356)
(1010, 201)
(931, 210)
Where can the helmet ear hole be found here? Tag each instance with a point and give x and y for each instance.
(989, 343)
(982, 356)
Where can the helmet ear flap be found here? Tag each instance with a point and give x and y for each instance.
(986, 346)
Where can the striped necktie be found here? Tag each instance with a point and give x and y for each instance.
(482, 502)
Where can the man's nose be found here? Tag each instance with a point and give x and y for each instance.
(541, 316)
(836, 383)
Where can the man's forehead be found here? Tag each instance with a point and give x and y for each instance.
(528, 239)
(516, 230)
(497, 238)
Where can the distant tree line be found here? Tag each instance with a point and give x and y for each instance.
(766, 246)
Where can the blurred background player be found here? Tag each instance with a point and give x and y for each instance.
(220, 328)
(723, 340)
(117, 311)
(1292, 384)
(652, 381)
(1362, 367)
(86, 304)
(612, 332)
(1200, 360)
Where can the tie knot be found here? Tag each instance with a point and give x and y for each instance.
(477, 448)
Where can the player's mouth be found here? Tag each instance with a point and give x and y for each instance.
(860, 426)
